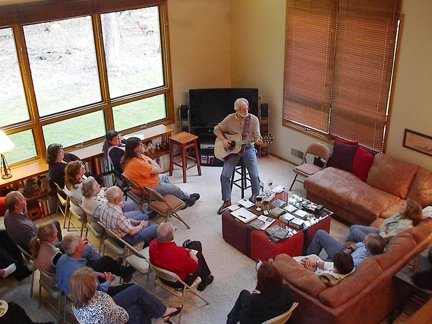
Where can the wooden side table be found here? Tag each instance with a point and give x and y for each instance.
(186, 141)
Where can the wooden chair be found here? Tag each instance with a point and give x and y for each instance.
(77, 220)
(308, 168)
(28, 262)
(284, 317)
(179, 292)
(165, 206)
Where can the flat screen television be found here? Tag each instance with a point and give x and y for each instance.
(208, 107)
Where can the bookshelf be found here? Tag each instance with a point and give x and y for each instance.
(31, 179)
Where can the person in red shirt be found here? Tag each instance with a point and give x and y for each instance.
(187, 262)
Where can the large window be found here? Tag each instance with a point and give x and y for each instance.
(339, 63)
(72, 70)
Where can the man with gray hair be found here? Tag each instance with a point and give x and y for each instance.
(247, 125)
(112, 216)
(19, 227)
(187, 262)
(74, 258)
(94, 196)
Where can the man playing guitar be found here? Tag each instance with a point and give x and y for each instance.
(240, 122)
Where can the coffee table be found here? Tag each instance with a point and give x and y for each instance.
(257, 244)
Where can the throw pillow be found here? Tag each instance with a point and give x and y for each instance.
(343, 156)
(345, 141)
(362, 162)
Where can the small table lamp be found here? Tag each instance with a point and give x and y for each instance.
(6, 145)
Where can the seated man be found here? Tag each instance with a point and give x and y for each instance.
(146, 172)
(112, 216)
(373, 244)
(94, 196)
(187, 262)
(74, 258)
(19, 227)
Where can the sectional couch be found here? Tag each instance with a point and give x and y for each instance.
(366, 296)
(385, 186)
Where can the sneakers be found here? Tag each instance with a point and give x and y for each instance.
(192, 199)
(224, 206)
(186, 243)
(205, 283)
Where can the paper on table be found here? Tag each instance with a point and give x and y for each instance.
(244, 215)
(278, 189)
(245, 203)
(233, 207)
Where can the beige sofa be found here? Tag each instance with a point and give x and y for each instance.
(366, 296)
(389, 183)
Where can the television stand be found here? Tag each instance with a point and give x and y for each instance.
(206, 139)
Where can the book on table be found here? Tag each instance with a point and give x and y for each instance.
(243, 215)
(278, 233)
(262, 222)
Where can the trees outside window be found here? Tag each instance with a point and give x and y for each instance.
(73, 70)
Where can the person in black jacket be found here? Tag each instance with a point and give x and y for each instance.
(269, 299)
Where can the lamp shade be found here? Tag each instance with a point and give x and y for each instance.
(6, 144)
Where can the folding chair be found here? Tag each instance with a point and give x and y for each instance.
(166, 206)
(308, 168)
(136, 192)
(62, 203)
(284, 317)
(80, 217)
(48, 283)
(174, 278)
(96, 229)
(28, 262)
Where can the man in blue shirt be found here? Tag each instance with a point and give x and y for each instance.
(74, 259)
(373, 244)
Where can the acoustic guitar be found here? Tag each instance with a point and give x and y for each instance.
(237, 145)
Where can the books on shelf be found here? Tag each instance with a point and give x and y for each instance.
(262, 222)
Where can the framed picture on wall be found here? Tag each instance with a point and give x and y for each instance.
(418, 142)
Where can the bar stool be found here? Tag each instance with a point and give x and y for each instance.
(244, 180)
(186, 141)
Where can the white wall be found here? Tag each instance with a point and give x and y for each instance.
(240, 43)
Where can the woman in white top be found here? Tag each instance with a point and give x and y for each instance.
(94, 196)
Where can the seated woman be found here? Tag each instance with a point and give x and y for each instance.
(269, 299)
(94, 196)
(330, 273)
(113, 149)
(409, 216)
(131, 305)
(74, 176)
(45, 253)
(57, 160)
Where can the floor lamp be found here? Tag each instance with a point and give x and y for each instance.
(6, 145)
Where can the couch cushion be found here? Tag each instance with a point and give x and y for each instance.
(351, 285)
(391, 175)
(298, 276)
(342, 156)
(393, 209)
(421, 187)
(362, 162)
(345, 189)
(421, 231)
(400, 245)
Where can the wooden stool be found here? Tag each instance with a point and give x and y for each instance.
(186, 141)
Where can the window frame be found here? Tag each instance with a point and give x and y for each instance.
(17, 16)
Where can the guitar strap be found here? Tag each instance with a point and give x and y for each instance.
(245, 132)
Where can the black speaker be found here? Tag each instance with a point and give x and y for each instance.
(264, 110)
(184, 118)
